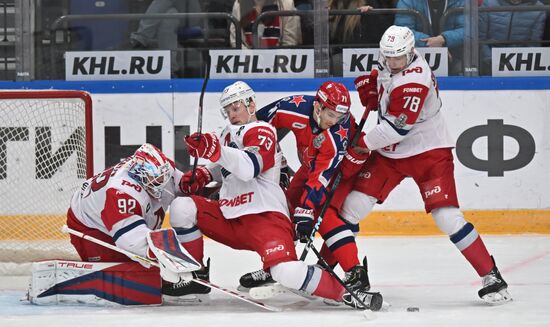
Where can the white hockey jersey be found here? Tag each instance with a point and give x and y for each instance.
(117, 205)
(409, 118)
(249, 169)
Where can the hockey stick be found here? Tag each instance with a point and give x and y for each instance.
(335, 183)
(148, 263)
(201, 99)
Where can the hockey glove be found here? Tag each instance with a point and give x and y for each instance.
(202, 177)
(352, 163)
(303, 221)
(366, 86)
(205, 146)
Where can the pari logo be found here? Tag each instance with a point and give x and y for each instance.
(117, 65)
(292, 63)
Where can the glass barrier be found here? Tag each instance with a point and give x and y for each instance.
(464, 40)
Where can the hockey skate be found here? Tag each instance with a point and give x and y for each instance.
(188, 287)
(357, 278)
(372, 300)
(495, 289)
(255, 279)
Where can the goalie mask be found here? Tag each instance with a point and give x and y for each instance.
(397, 41)
(151, 168)
(236, 93)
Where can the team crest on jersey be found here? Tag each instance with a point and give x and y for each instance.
(318, 141)
(400, 121)
(297, 99)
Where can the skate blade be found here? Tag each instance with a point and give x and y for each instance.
(498, 298)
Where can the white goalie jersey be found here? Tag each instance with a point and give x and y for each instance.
(249, 169)
(115, 204)
(409, 119)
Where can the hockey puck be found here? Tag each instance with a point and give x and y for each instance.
(413, 309)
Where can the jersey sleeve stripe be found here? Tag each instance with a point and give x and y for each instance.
(255, 162)
(128, 228)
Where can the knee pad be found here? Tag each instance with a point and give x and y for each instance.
(290, 274)
(357, 206)
(449, 219)
(183, 213)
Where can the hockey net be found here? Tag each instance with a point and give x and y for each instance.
(45, 154)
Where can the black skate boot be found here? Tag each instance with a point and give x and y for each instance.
(357, 278)
(189, 287)
(495, 289)
(255, 279)
(372, 300)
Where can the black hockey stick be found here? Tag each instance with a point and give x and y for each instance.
(335, 183)
(199, 127)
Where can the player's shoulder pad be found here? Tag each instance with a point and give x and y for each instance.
(125, 184)
(418, 72)
(260, 126)
(302, 104)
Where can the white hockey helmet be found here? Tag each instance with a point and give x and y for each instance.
(235, 92)
(151, 168)
(395, 42)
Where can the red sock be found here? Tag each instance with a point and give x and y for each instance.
(329, 287)
(195, 248)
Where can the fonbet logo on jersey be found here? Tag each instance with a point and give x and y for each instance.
(290, 63)
(119, 65)
(237, 201)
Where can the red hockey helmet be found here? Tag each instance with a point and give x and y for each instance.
(334, 96)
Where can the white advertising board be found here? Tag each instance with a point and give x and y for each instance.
(520, 61)
(117, 65)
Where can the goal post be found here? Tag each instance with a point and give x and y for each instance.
(45, 154)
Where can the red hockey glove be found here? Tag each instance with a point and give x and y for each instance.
(352, 163)
(367, 88)
(202, 177)
(205, 146)
(303, 221)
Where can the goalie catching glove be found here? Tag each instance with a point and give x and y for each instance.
(175, 262)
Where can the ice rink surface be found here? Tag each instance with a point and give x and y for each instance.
(424, 272)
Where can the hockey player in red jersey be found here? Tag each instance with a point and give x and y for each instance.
(251, 213)
(412, 140)
(323, 128)
(123, 205)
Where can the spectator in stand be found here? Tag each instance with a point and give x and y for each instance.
(354, 30)
(275, 31)
(163, 33)
(508, 26)
(452, 35)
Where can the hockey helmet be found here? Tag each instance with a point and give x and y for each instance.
(334, 96)
(395, 42)
(151, 168)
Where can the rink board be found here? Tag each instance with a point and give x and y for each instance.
(502, 181)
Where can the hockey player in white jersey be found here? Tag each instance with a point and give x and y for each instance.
(251, 213)
(124, 206)
(412, 140)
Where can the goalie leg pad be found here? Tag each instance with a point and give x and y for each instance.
(175, 262)
(97, 283)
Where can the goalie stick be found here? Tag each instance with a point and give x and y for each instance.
(148, 263)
